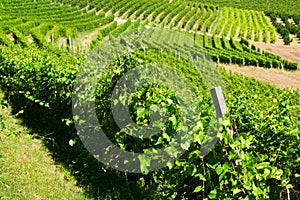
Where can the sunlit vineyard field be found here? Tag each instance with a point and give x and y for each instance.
(44, 44)
(287, 11)
(278, 6)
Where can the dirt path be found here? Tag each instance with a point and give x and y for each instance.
(277, 77)
(86, 38)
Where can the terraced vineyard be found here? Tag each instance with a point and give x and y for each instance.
(37, 23)
(44, 44)
(47, 22)
(288, 7)
(274, 9)
(194, 17)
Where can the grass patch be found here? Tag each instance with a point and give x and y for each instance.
(26, 168)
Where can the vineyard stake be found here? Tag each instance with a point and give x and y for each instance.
(221, 109)
(219, 102)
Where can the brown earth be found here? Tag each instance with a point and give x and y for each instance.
(289, 52)
(277, 77)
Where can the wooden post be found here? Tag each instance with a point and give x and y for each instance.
(219, 102)
(220, 105)
(221, 109)
(69, 42)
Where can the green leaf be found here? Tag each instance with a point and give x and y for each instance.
(227, 123)
(2, 125)
(267, 172)
(197, 189)
(166, 136)
(170, 101)
(19, 113)
(185, 145)
(173, 119)
(198, 138)
(247, 185)
(72, 142)
(141, 111)
(213, 194)
(67, 121)
(159, 141)
(145, 161)
(256, 190)
(219, 169)
(236, 191)
(170, 165)
(200, 176)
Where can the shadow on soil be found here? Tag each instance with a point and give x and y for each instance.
(98, 181)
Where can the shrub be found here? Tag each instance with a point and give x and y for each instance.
(287, 40)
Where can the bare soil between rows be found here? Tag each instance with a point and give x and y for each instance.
(277, 77)
(289, 52)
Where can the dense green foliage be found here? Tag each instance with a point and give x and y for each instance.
(275, 9)
(277, 6)
(230, 51)
(258, 113)
(260, 162)
(286, 27)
